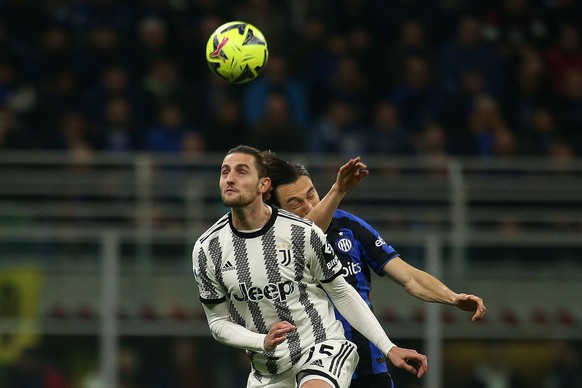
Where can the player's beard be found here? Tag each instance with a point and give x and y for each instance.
(238, 201)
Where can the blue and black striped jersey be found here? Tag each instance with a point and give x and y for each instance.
(361, 250)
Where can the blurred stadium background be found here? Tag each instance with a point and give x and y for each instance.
(469, 114)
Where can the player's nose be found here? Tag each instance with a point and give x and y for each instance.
(230, 177)
(307, 207)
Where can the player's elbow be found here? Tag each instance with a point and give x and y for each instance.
(216, 329)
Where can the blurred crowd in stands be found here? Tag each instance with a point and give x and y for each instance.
(478, 78)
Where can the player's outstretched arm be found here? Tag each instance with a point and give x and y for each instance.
(356, 311)
(349, 176)
(426, 287)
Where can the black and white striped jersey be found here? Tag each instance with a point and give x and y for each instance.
(271, 275)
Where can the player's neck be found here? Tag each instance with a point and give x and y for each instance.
(251, 217)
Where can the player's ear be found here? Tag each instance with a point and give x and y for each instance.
(264, 185)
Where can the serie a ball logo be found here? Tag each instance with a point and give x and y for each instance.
(237, 52)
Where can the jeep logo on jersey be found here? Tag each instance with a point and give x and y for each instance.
(271, 291)
(344, 245)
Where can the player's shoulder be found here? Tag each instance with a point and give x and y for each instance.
(346, 216)
(344, 219)
(289, 217)
(214, 229)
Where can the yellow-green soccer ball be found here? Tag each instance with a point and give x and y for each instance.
(237, 52)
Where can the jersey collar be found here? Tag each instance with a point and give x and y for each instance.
(256, 233)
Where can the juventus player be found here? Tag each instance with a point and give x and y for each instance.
(361, 250)
(264, 277)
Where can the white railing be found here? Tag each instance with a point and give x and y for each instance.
(142, 190)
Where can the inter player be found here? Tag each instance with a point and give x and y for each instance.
(361, 250)
(264, 277)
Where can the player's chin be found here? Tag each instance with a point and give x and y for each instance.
(235, 200)
(231, 200)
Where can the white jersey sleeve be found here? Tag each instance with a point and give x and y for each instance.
(210, 290)
(351, 305)
(325, 265)
(227, 332)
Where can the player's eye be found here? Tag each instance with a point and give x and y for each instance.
(242, 171)
(294, 204)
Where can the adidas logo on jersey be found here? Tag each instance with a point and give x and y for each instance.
(228, 267)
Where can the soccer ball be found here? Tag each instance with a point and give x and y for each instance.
(237, 52)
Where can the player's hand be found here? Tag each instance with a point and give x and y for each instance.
(351, 174)
(467, 302)
(409, 360)
(276, 335)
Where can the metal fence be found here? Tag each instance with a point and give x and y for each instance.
(111, 236)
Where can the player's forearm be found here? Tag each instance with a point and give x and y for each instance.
(428, 288)
(229, 333)
(349, 303)
(322, 213)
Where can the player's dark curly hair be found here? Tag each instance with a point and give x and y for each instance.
(260, 162)
(281, 173)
